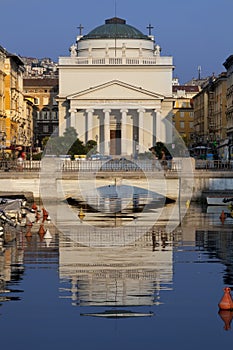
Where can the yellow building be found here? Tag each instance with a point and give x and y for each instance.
(14, 100)
(2, 97)
(183, 111)
(43, 93)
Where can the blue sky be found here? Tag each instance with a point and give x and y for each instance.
(196, 33)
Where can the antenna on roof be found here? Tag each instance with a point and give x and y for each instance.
(115, 25)
(115, 8)
(199, 72)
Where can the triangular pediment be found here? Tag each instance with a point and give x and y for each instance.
(115, 90)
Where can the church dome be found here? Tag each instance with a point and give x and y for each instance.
(115, 28)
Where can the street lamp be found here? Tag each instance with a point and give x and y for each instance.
(13, 146)
(3, 146)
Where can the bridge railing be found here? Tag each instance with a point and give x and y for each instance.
(212, 165)
(117, 166)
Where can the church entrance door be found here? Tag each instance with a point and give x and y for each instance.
(115, 142)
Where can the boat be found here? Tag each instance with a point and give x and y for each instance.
(11, 207)
(219, 200)
(118, 314)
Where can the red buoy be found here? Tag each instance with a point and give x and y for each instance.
(222, 217)
(226, 316)
(226, 302)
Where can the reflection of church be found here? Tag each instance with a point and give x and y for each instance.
(116, 88)
(118, 276)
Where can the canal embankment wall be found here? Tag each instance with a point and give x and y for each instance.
(172, 184)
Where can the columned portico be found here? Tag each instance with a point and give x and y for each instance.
(119, 131)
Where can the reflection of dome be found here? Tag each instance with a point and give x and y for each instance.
(115, 28)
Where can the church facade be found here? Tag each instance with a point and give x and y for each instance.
(116, 88)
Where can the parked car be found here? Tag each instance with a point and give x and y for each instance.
(98, 156)
(65, 157)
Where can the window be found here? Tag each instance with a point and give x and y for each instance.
(182, 114)
(45, 128)
(45, 114)
(45, 100)
(54, 114)
(182, 125)
(36, 101)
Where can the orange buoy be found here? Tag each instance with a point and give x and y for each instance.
(34, 206)
(41, 231)
(226, 316)
(222, 217)
(45, 213)
(226, 302)
(28, 233)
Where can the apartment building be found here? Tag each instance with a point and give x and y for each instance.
(210, 112)
(228, 64)
(42, 92)
(183, 114)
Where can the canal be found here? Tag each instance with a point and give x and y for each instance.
(151, 288)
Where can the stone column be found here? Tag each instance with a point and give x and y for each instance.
(159, 135)
(107, 131)
(72, 117)
(89, 124)
(141, 112)
(124, 131)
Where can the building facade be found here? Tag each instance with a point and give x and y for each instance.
(14, 100)
(228, 64)
(42, 92)
(116, 88)
(210, 112)
(183, 113)
(2, 99)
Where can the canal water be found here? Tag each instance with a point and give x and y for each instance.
(159, 291)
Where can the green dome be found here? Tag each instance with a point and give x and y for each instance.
(115, 28)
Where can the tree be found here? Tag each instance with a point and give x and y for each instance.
(91, 146)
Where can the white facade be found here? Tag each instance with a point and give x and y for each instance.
(117, 91)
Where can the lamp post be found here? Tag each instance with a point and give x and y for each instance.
(13, 146)
(3, 146)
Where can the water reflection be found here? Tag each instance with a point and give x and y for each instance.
(130, 275)
(124, 281)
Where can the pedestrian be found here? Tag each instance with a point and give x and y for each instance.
(163, 159)
(20, 163)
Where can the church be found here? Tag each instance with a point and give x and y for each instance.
(115, 87)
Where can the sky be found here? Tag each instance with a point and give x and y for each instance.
(196, 33)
